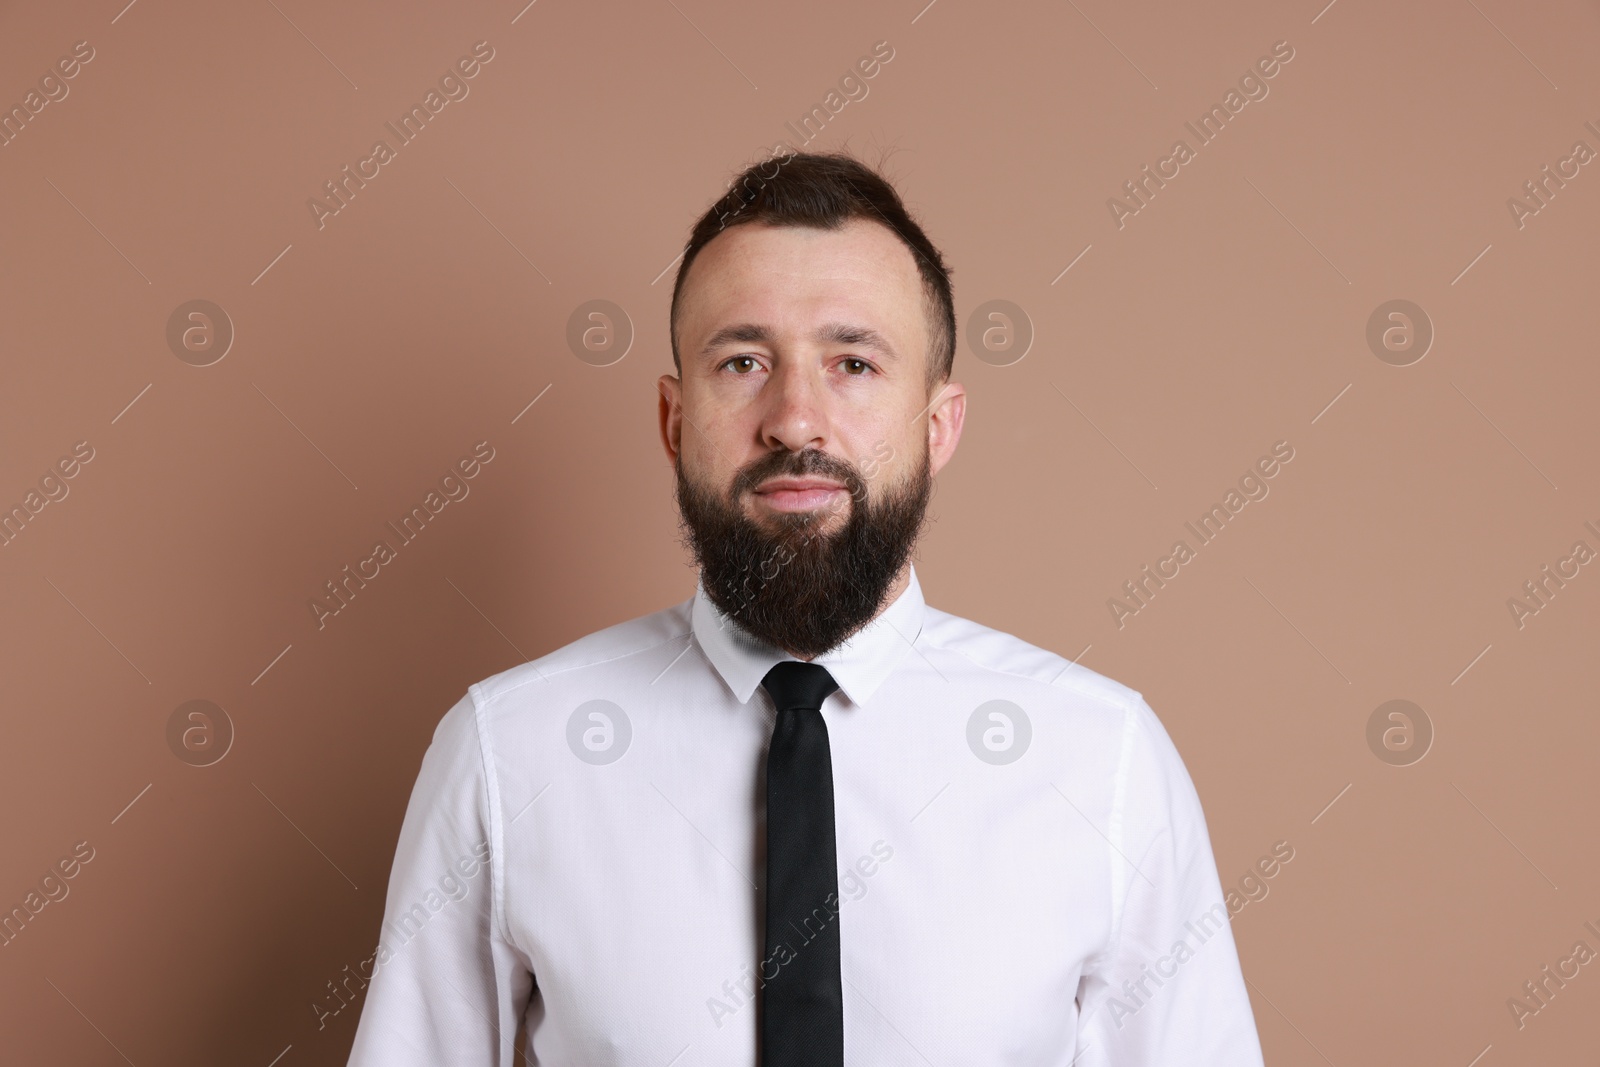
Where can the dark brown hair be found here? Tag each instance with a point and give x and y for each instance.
(823, 191)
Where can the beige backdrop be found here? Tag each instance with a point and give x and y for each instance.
(234, 456)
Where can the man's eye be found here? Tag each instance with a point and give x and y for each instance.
(863, 363)
(741, 359)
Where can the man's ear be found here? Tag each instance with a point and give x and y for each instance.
(671, 413)
(945, 418)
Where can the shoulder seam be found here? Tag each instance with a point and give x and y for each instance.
(1114, 831)
(491, 787)
(547, 675)
(981, 666)
(1118, 701)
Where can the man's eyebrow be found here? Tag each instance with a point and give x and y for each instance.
(741, 333)
(844, 333)
(839, 333)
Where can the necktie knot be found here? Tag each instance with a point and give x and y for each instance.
(793, 684)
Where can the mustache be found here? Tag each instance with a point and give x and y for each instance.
(806, 462)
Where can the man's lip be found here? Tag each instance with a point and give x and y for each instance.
(777, 485)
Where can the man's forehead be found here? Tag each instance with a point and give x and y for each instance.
(859, 270)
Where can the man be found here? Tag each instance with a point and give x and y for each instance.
(923, 841)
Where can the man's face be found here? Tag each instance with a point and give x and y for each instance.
(803, 433)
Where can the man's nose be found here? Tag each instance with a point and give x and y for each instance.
(797, 413)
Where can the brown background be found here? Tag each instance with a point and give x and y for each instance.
(1227, 315)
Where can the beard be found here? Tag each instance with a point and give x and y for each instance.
(785, 580)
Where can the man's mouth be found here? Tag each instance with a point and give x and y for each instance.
(797, 494)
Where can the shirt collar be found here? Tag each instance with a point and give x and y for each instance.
(859, 665)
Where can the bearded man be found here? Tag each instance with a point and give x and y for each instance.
(925, 841)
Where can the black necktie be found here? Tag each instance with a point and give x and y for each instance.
(802, 1004)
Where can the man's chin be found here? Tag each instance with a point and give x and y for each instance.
(826, 519)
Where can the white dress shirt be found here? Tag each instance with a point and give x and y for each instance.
(1025, 875)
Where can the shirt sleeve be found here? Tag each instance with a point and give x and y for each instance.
(445, 987)
(1168, 990)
